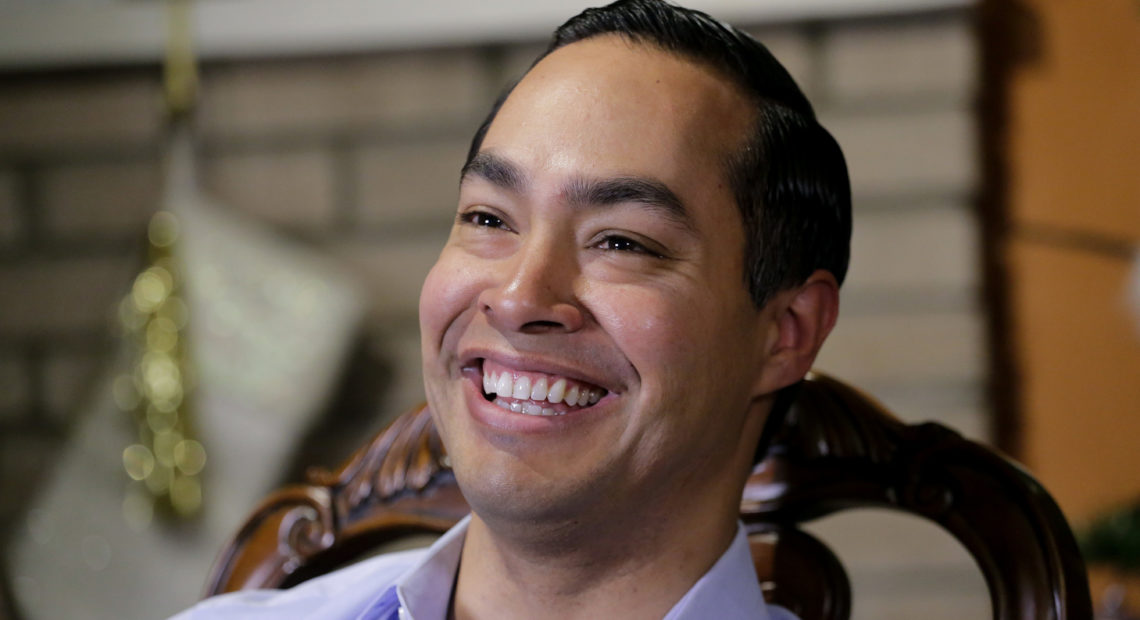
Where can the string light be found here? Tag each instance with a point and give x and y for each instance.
(165, 464)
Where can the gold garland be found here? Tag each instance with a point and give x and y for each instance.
(166, 462)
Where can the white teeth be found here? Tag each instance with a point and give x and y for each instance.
(571, 397)
(526, 408)
(531, 409)
(556, 391)
(538, 392)
(522, 388)
(503, 386)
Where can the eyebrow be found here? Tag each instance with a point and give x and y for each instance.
(647, 192)
(650, 193)
(495, 170)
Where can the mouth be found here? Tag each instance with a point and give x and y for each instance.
(535, 393)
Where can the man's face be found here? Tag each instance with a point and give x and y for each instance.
(597, 253)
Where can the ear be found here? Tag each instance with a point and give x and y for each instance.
(799, 320)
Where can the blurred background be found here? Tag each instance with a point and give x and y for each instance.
(266, 320)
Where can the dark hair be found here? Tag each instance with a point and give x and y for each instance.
(789, 178)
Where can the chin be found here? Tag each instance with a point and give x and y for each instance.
(512, 494)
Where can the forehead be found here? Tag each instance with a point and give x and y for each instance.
(606, 106)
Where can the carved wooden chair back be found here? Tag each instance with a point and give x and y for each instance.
(837, 449)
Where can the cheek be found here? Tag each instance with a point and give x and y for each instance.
(656, 329)
(450, 288)
(677, 342)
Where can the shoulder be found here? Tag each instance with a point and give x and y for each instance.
(340, 594)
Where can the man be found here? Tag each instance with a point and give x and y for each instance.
(649, 241)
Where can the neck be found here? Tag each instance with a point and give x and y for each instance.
(635, 559)
(586, 570)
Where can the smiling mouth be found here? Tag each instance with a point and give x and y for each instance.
(537, 394)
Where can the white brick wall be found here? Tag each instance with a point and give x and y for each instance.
(906, 348)
(392, 273)
(68, 376)
(342, 93)
(291, 189)
(937, 579)
(880, 60)
(100, 200)
(401, 183)
(899, 151)
(15, 397)
(11, 220)
(896, 94)
(42, 114)
(940, 243)
(61, 296)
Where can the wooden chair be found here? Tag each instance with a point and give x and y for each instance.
(836, 449)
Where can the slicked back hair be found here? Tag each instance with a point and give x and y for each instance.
(789, 178)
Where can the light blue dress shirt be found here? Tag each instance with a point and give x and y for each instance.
(416, 585)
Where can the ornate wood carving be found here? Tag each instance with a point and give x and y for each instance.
(838, 449)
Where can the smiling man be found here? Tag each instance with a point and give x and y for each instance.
(649, 240)
(595, 364)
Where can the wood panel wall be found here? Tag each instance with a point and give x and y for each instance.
(1063, 137)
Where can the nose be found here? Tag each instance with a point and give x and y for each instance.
(533, 291)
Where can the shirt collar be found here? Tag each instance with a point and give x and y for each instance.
(730, 587)
(425, 590)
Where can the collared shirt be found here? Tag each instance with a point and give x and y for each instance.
(416, 585)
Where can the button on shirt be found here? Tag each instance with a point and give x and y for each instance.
(416, 585)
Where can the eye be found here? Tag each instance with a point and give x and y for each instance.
(482, 219)
(618, 243)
